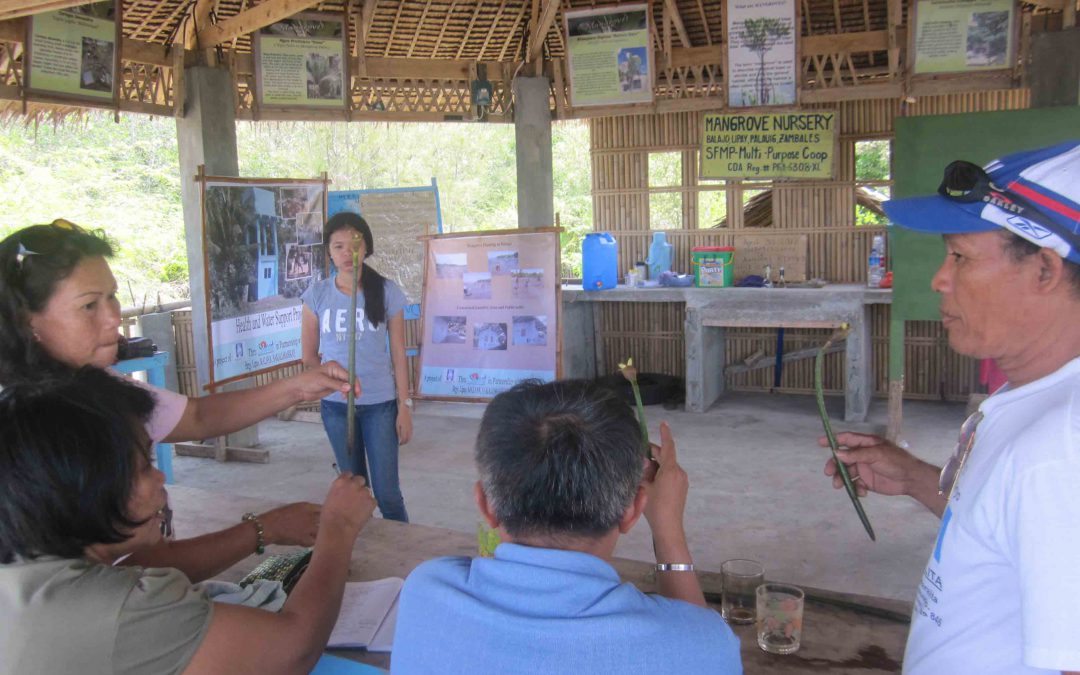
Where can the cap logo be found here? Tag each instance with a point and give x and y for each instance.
(1002, 203)
(1029, 228)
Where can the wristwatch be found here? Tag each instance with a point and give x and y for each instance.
(407, 402)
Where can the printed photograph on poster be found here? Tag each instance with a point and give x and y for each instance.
(609, 55)
(530, 331)
(963, 35)
(256, 271)
(309, 227)
(299, 62)
(475, 350)
(96, 64)
(449, 330)
(299, 262)
(72, 51)
(489, 336)
(502, 263)
(761, 53)
(528, 283)
(633, 69)
(477, 285)
(451, 265)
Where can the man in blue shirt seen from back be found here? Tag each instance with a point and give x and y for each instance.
(562, 476)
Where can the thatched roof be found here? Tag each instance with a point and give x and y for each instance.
(758, 212)
(417, 57)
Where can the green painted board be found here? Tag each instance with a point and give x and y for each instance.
(923, 147)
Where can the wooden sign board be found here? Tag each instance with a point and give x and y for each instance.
(754, 251)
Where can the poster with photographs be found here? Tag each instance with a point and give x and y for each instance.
(762, 59)
(490, 312)
(72, 52)
(300, 62)
(963, 35)
(398, 217)
(263, 243)
(608, 55)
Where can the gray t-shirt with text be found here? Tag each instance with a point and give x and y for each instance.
(373, 366)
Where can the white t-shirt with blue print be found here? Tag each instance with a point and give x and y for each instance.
(373, 366)
(999, 591)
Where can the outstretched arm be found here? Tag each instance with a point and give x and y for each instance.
(224, 413)
(201, 558)
(247, 640)
(876, 465)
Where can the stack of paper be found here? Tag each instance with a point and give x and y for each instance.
(368, 615)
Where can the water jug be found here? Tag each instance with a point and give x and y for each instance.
(659, 255)
(599, 261)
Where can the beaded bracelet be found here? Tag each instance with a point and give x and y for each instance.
(260, 542)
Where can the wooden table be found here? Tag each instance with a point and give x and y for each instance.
(842, 633)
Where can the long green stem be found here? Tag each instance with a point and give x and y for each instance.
(641, 418)
(350, 417)
(819, 392)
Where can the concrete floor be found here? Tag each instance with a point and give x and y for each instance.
(757, 487)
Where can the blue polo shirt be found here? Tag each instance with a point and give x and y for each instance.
(540, 610)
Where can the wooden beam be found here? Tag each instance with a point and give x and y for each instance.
(198, 17)
(867, 41)
(689, 57)
(12, 9)
(852, 93)
(1056, 5)
(540, 31)
(13, 30)
(250, 21)
(676, 19)
(137, 51)
(391, 68)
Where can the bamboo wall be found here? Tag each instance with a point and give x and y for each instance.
(823, 210)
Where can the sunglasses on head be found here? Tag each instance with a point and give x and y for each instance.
(44, 242)
(967, 183)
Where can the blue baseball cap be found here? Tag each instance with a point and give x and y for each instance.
(1033, 194)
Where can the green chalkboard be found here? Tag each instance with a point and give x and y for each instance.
(923, 147)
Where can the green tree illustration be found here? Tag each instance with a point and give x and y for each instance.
(759, 36)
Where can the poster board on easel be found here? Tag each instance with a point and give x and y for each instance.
(263, 244)
(398, 218)
(491, 313)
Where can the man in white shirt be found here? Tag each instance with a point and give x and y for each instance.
(997, 595)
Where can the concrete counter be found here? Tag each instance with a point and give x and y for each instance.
(710, 310)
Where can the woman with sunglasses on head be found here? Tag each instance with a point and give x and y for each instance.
(58, 311)
(383, 413)
(78, 492)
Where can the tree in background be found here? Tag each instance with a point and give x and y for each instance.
(125, 179)
(759, 36)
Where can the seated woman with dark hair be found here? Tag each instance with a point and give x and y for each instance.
(78, 492)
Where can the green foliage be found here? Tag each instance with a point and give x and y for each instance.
(125, 179)
(872, 160)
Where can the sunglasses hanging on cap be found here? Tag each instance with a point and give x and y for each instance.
(967, 183)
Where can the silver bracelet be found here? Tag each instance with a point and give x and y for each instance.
(674, 567)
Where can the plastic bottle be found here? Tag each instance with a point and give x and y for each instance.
(875, 265)
(659, 255)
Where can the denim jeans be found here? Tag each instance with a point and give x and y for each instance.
(376, 433)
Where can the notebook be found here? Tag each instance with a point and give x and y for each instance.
(367, 617)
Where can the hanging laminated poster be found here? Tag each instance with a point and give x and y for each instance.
(263, 244)
(490, 312)
(72, 52)
(300, 62)
(608, 55)
(964, 35)
(762, 57)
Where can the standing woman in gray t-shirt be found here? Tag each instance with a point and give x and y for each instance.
(383, 410)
